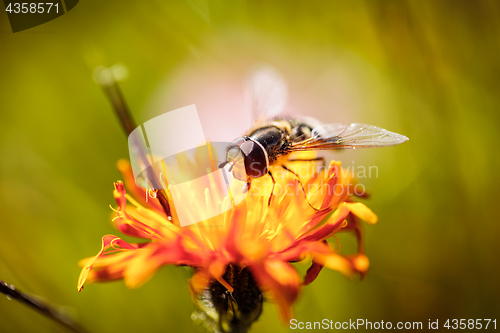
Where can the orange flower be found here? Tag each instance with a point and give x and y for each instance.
(243, 253)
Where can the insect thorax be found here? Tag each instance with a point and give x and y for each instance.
(278, 134)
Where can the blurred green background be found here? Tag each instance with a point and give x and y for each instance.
(426, 69)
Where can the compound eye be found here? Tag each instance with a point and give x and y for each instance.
(255, 159)
(233, 153)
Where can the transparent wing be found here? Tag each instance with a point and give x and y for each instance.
(266, 94)
(341, 136)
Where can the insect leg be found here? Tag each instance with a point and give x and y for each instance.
(248, 187)
(301, 186)
(272, 190)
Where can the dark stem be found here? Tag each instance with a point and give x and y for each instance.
(42, 307)
(110, 87)
(114, 94)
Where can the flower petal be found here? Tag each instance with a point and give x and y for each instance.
(107, 242)
(217, 268)
(347, 265)
(199, 281)
(281, 281)
(132, 226)
(363, 212)
(312, 273)
(140, 193)
(156, 254)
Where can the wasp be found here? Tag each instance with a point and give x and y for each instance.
(274, 137)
